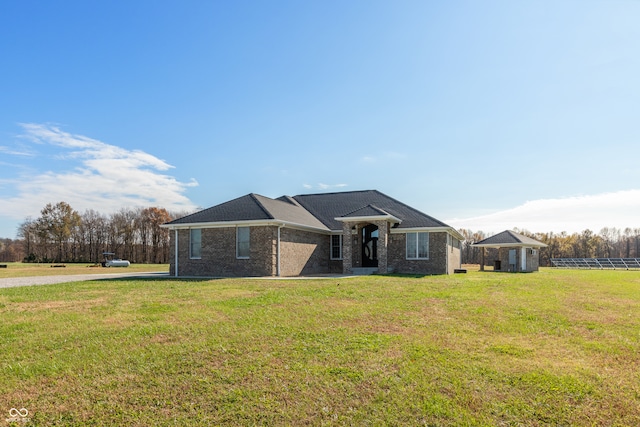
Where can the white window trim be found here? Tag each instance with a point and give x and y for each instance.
(238, 243)
(331, 247)
(191, 230)
(417, 233)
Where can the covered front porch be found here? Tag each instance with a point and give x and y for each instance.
(365, 240)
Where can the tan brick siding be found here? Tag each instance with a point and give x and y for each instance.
(454, 256)
(303, 252)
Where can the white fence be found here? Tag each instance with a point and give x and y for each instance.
(597, 263)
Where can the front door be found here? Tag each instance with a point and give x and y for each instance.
(370, 246)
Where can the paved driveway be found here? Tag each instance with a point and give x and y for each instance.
(13, 282)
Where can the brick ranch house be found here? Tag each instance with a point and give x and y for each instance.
(358, 232)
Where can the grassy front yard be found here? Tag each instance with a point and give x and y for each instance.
(18, 269)
(549, 348)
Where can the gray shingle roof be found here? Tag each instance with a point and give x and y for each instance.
(368, 210)
(312, 210)
(328, 206)
(243, 208)
(253, 207)
(287, 209)
(509, 238)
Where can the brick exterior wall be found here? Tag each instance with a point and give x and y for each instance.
(219, 253)
(352, 245)
(383, 246)
(392, 256)
(436, 264)
(301, 253)
(531, 260)
(349, 242)
(304, 253)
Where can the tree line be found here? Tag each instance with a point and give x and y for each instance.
(61, 234)
(608, 243)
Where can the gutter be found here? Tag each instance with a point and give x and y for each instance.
(247, 223)
(278, 251)
(450, 230)
(446, 252)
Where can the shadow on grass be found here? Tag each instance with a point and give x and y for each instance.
(406, 276)
(155, 279)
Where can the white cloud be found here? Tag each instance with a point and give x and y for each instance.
(321, 186)
(330, 186)
(20, 151)
(100, 176)
(619, 209)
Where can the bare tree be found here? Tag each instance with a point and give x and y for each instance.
(56, 225)
(11, 250)
(27, 232)
(154, 218)
(94, 230)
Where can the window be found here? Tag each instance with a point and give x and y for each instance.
(195, 243)
(336, 246)
(417, 245)
(242, 242)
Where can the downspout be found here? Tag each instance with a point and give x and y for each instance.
(176, 254)
(446, 258)
(278, 251)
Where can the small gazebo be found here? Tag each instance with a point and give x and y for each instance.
(516, 253)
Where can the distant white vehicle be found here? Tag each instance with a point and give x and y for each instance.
(110, 261)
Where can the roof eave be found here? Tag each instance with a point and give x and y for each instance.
(389, 218)
(246, 223)
(455, 233)
(509, 245)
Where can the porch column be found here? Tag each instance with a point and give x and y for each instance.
(484, 251)
(383, 239)
(347, 253)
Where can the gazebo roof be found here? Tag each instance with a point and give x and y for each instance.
(509, 238)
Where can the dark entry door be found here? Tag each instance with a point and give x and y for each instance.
(370, 246)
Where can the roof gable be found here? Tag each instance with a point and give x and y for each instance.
(368, 210)
(287, 209)
(329, 206)
(371, 213)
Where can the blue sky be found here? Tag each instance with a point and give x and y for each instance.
(486, 115)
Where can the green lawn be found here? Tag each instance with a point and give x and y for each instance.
(556, 347)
